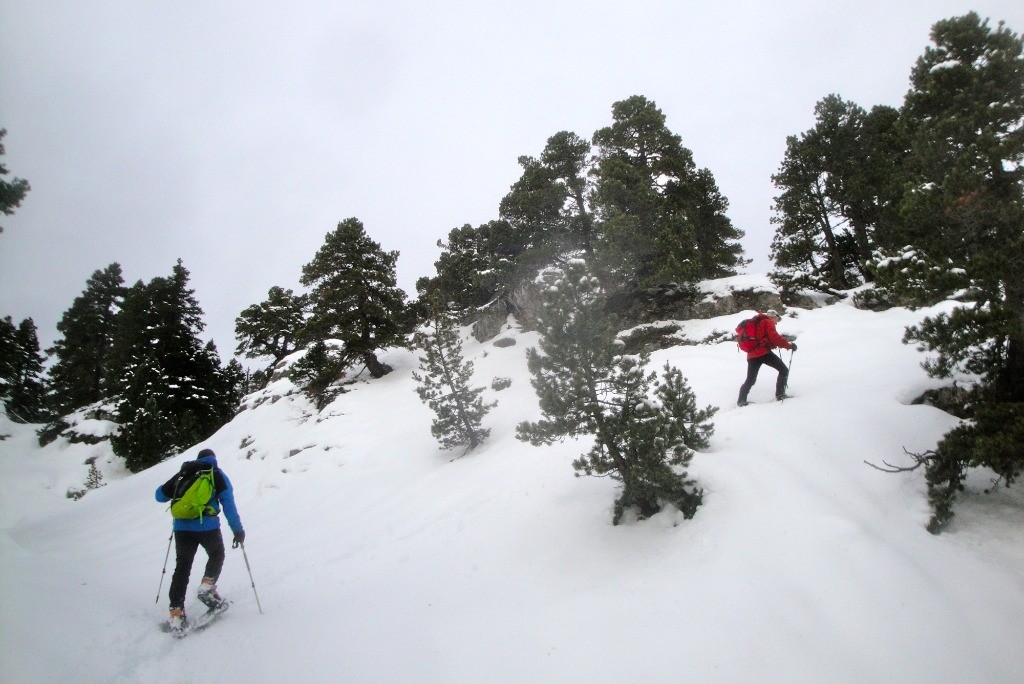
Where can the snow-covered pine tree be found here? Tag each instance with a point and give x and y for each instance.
(355, 296)
(444, 385)
(964, 113)
(271, 328)
(169, 388)
(661, 220)
(644, 429)
(83, 352)
(317, 371)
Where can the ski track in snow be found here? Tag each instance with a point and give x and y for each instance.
(379, 558)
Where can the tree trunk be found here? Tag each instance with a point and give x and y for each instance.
(1011, 381)
(837, 278)
(860, 232)
(587, 224)
(376, 368)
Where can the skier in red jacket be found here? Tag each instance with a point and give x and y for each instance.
(768, 338)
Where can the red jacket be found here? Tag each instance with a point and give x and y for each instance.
(768, 338)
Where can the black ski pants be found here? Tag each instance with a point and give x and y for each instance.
(754, 365)
(185, 546)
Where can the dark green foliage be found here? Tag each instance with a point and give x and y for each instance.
(147, 435)
(643, 172)
(51, 430)
(549, 201)
(965, 210)
(21, 371)
(644, 429)
(271, 328)
(444, 385)
(544, 212)
(472, 264)
(640, 208)
(355, 298)
(838, 183)
(964, 111)
(169, 388)
(76, 378)
(911, 279)
(317, 372)
(719, 252)
(969, 340)
(993, 440)
(12, 192)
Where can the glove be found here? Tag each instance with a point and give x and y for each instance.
(238, 540)
(792, 345)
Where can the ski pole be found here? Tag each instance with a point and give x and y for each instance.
(246, 557)
(789, 368)
(166, 556)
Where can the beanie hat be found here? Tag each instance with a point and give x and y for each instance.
(206, 452)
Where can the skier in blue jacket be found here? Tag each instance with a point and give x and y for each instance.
(191, 533)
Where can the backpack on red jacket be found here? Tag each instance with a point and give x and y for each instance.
(747, 338)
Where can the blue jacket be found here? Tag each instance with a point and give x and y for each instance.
(223, 500)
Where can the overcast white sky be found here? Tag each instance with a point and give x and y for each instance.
(237, 135)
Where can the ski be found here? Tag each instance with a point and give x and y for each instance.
(198, 624)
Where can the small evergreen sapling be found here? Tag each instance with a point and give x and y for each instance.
(644, 429)
(444, 385)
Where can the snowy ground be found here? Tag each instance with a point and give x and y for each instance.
(378, 558)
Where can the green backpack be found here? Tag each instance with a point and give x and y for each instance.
(193, 491)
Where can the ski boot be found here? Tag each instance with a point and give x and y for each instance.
(178, 622)
(209, 596)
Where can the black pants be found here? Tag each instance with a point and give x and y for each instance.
(185, 546)
(754, 365)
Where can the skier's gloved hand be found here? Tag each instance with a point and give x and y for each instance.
(238, 540)
(792, 345)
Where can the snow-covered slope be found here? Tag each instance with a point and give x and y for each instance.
(379, 558)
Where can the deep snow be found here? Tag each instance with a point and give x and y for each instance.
(379, 558)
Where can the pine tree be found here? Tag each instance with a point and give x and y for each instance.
(320, 367)
(660, 218)
(355, 298)
(21, 371)
(147, 435)
(838, 183)
(965, 116)
(641, 163)
(272, 327)
(444, 385)
(9, 354)
(82, 353)
(644, 429)
(11, 192)
(549, 201)
(965, 112)
(168, 386)
(471, 266)
(719, 252)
